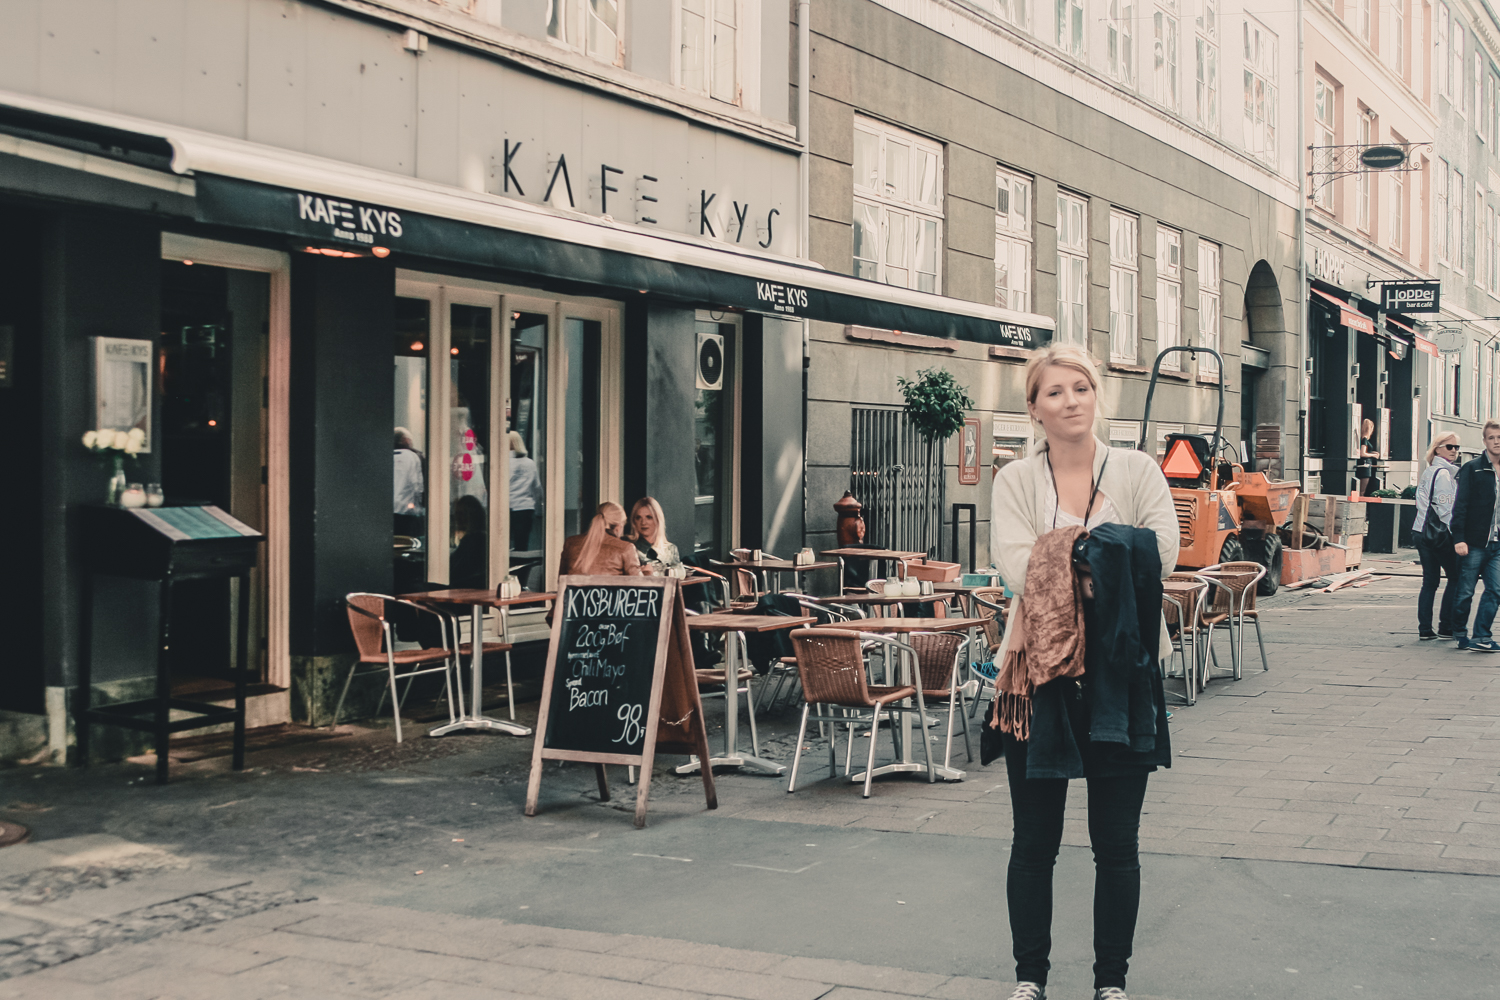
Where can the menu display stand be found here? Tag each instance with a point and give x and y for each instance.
(168, 545)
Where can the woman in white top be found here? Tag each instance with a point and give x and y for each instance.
(1436, 491)
(648, 532)
(525, 493)
(1073, 478)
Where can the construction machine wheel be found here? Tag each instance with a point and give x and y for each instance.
(1233, 550)
(1270, 558)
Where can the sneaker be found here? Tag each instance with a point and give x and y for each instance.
(1463, 642)
(1427, 634)
(1484, 645)
(1110, 993)
(1029, 991)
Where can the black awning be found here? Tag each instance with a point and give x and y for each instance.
(325, 221)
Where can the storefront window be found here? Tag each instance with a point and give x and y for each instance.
(581, 340)
(413, 337)
(528, 419)
(469, 445)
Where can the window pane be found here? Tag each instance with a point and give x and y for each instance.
(528, 419)
(604, 29)
(469, 446)
(413, 335)
(692, 51)
(897, 169)
(866, 160)
(866, 240)
(895, 248)
(927, 184)
(725, 87)
(557, 23)
(581, 339)
(926, 255)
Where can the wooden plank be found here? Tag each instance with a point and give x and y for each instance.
(1299, 518)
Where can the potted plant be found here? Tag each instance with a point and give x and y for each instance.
(935, 405)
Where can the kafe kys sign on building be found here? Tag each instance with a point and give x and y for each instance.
(1410, 296)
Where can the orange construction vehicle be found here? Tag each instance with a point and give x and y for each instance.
(1224, 514)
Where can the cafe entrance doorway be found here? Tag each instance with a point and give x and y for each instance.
(505, 448)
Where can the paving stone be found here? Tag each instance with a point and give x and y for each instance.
(854, 974)
(691, 953)
(745, 985)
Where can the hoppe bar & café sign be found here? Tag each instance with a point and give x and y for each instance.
(1410, 296)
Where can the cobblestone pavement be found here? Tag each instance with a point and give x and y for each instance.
(1364, 757)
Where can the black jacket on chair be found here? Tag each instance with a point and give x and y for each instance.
(1474, 507)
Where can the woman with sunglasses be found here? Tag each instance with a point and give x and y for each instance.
(1435, 494)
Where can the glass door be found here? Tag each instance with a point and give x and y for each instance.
(716, 439)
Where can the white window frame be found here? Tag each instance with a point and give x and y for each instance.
(1072, 269)
(1013, 240)
(1119, 41)
(1362, 19)
(1166, 40)
(1012, 12)
(1481, 242)
(1261, 52)
(1396, 44)
(1478, 88)
(1210, 301)
(1444, 66)
(1325, 117)
(1398, 207)
(1364, 218)
(570, 24)
(1169, 294)
(1070, 27)
(894, 211)
(1206, 75)
(1124, 286)
(1459, 91)
(1456, 223)
(1492, 250)
(1486, 121)
(1440, 212)
(713, 15)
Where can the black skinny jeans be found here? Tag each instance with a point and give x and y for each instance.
(1435, 565)
(1114, 834)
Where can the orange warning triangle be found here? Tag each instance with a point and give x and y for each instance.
(1182, 462)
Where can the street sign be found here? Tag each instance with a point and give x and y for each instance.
(1410, 296)
(1450, 341)
(1382, 157)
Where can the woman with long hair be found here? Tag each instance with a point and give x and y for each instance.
(1364, 464)
(648, 532)
(1075, 481)
(1436, 491)
(600, 551)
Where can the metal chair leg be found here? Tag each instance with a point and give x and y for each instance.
(1265, 664)
(791, 783)
(340, 706)
(395, 705)
(510, 688)
(874, 735)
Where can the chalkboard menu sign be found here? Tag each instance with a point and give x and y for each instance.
(606, 663)
(619, 684)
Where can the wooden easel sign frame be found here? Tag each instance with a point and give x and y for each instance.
(620, 683)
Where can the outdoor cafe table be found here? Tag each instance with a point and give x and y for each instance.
(883, 555)
(765, 567)
(963, 591)
(722, 623)
(477, 601)
(901, 626)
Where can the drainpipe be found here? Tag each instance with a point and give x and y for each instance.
(1304, 337)
(804, 173)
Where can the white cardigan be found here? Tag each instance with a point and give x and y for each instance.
(1134, 484)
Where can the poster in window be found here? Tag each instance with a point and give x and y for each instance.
(122, 385)
(968, 453)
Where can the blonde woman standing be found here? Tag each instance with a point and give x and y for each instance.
(1075, 479)
(1436, 491)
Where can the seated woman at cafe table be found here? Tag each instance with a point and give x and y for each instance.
(601, 551)
(468, 565)
(648, 532)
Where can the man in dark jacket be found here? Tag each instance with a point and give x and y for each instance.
(1476, 544)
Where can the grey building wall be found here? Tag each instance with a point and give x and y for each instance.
(869, 61)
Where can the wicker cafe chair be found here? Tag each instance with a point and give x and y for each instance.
(1231, 600)
(373, 639)
(939, 656)
(832, 665)
(1187, 631)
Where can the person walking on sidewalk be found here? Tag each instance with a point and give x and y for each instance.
(1476, 544)
(1076, 485)
(1433, 535)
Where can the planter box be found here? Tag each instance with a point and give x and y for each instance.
(937, 572)
(1304, 564)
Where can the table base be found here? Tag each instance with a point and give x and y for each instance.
(482, 723)
(738, 760)
(912, 767)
